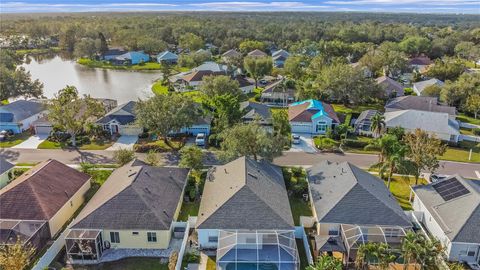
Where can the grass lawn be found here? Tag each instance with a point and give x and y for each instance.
(188, 209)
(94, 145)
(211, 263)
(159, 89)
(299, 208)
(467, 119)
(400, 188)
(461, 153)
(108, 65)
(466, 131)
(340, 108)
(196, 95)
(158, 145)
(15, 139)
(127, 264)
(302, 254)
(37, 51)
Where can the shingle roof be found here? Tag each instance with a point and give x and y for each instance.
(40, 192)
(231, 53)
(459, 218)
(304, 111)
(135, 196)
(20, 110)
(421, 60)
(5, 165)
(197, 76)
(166, 55)
(124, 114)
(418, 103)
(420, 86)
(257, 53)
(365, 116)
(211, 66)
(390, 85)
(345, 194)
(243, 81)
(254, 109)
(245, 194)
(428, 121)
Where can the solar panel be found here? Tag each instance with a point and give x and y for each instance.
(450, 189)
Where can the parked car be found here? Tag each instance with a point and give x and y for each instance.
(295, 139)
(200, 139)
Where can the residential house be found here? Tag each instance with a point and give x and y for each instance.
(246, 86)
(193, 80)
(167, 58)
(204, 52)
(121, 120)
(19, 115)
(420, 63)
(202, 125)
(390, 87)
(312, 117)
(253, 111)
(278, 94)
(450, 211)
(367, 73)
(231, 56)
(112, 53)
(134, 209)
(213, 67)
(429, 104)
(131, 58)
(279, 58)
(257, 53)
(35, 206)
(245, 215)
(352, 207)
(5, 169)
(363, 124)
(42, 126)
(435, 123)
(418, 87)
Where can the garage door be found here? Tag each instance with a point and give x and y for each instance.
(43, 130)
(129, 131)
(301, 128)
(195, 130)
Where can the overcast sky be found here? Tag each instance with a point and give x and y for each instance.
(415, 6)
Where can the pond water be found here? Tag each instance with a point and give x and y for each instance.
(57, 71)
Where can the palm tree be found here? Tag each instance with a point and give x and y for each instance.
(364, 253)
(409, 248)
(377, 125)
(326, 262)
(384, 256)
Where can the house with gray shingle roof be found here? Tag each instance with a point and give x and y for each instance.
(390, 87)
(418, 87)
(121, 120)
(450, 210)
(351, 207)
(254, 111)
(419, 103)
(134, 209)
(167, 57)
(19, 115)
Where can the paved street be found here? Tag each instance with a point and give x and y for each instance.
(288, 158)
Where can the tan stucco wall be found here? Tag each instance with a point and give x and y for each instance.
(128, 240)
(66, 212)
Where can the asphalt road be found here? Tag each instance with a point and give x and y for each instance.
(288, 158)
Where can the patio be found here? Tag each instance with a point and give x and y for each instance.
(34, 233)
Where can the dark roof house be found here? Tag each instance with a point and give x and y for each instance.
(257, 53)
(256, 111)
(245, 194)
(123, 114)
(390, 86)
(20, 110)
(418, 103)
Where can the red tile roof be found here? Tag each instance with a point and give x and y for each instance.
(40, 192)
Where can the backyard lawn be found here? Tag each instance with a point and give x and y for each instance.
(461, 153)
(128, 264)
(188, 209)
(400, 188)
(15, 139)
(299, 208)
(467, 119)
(159, 89)
(340, 108)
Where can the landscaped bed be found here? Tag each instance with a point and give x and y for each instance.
(15, 139)
(127, 264)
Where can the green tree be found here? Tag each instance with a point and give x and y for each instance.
(423, 151)
(415, 45)
(220, 85)
(102, 45)
(123, 156)
(377, 125)
(190, 41)
(226, 111)
(447, 69)
(432, 91)
(85, 48)
(16, 256)
(258, 67)
(455, 93)
(384, 255)
(468, 50)
(191, 156)
(164, 114)
(472, 104)
(409, 248)
(293, 67)
(365, 254)
(250, 45)
(152, 158)
(326, 262)
(250, 140)
(281, 125)
(385, 59)
(18, 83)
(68, 38)
(167, 71)
(73, 113)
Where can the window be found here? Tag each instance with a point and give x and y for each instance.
(321, 127)
(152, 236)
(115, 237)
(134, 233)
(212, 238)
(471, 253)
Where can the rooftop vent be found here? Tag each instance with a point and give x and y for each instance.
(254, 176)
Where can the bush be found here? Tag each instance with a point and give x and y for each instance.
(326, 144)
(354, 143)
(476, 131)
(152, 158)
(191, 258)
(143, 135)
(371, 147)
(295, 180)
(123, 156)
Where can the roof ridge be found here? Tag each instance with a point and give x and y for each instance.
(466, 221)
(35, 194)
(25, 176)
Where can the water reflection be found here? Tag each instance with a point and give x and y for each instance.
(58, 70)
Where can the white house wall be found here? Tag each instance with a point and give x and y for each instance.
(459, 252)
(26, 123)
(203, 235)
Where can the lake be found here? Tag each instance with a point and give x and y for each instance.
(56, 71)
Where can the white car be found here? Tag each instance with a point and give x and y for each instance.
(200, 139)
(295, 139)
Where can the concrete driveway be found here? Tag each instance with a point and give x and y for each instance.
(124, 142)
(32, 143)
(306, 145)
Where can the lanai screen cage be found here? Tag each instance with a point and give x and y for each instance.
(27, 232)
(257, 250)
(356, 235)
(84, 245)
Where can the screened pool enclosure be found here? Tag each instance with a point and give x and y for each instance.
(257, 250)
